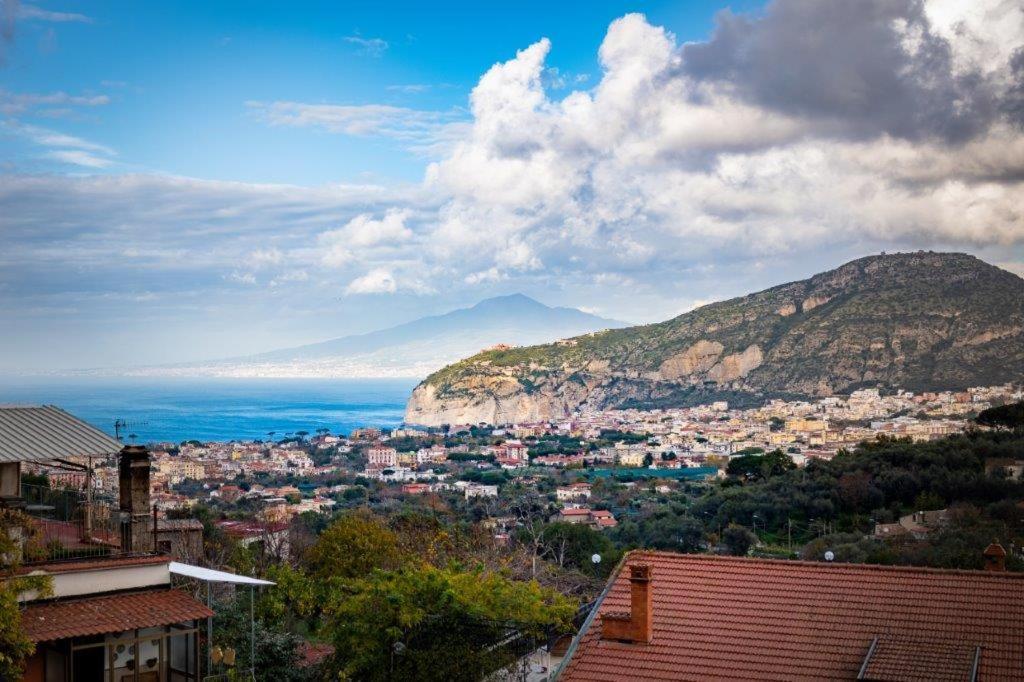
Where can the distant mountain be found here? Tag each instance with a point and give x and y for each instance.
(413, 349)
(920, 321)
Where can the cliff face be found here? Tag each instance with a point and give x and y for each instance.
(920, 321)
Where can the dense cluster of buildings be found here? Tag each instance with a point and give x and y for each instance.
(278, 480)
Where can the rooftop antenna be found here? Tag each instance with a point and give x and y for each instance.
(121, 425)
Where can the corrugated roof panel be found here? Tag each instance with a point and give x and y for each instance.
(35, 434)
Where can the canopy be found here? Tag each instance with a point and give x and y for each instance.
(209, 575)
(39, 434)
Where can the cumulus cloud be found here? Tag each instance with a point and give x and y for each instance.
(770, 136)
(685, 172)
(376, 281)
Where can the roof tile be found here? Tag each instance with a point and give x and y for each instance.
(113, 613)
(759, 619)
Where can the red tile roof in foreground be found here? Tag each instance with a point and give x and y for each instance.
(112, 613)
(758, 619)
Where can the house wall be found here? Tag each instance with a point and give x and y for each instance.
(34, 668)
(77, 583)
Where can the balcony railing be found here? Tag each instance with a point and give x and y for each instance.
(68, 525)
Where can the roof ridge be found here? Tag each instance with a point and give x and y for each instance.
(832, 566)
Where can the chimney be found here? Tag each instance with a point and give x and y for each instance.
(133, 481)
(995, 557)
(637, 625)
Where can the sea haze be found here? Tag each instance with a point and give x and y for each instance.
(173, 409)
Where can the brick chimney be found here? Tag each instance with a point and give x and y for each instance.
(995, 557)
(637, 625)
(133, 481)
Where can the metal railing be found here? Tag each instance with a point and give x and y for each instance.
(66, 524)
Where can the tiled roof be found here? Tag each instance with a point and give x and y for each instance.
(758, 619)
(113, 613)
(917, 660)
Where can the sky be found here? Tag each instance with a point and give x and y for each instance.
(187, 181)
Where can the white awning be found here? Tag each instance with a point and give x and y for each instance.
(211, 576)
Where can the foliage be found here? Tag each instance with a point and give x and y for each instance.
(276, 650)
(426, 623)
(16, 529)
(755, 465)
(352, 547)
(738, 540)
(1009, 416)
(573, 545)
(668, 527)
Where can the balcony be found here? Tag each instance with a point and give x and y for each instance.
(66, 524)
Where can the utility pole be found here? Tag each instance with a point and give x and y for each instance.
(789, 533)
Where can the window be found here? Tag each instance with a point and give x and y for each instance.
(157, 654)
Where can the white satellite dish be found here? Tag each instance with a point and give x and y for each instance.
(596, 558)
(830, 555)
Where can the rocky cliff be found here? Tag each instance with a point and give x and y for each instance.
(920, 321)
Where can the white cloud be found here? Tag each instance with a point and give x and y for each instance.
(247, 278)
(363, 230)
(649, 189)
(376, 281)
(409, 88)
(421, 131)
(266, 257)
(337, 246)
(12, 103)
(31, 12)
(78, 157)
(291, 276)
(372, 47)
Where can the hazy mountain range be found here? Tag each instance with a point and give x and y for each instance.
(412, 349)
(919, 321)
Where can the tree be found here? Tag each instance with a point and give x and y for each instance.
(426, 623)
(1010, 416)
(15, 646)
(753, 465)
(738, 540)
(276, 650)
(573, 545)
(352, 547)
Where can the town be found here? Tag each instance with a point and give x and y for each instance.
(259, 486)
(545, 518)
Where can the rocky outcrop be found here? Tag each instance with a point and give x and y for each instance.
(737, 365)
(698, 358)
(920, 321)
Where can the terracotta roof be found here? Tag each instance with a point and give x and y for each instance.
(113, 613)
(916, 660)
(759, 619)
(311, 654)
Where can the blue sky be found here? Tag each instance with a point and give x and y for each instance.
(183, 181)
(179, 75)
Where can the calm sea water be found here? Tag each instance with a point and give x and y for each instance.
(218, 409)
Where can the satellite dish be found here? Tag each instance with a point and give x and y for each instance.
(830, 555)
(596, 558)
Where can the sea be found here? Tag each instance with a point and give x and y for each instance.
(213, 409)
